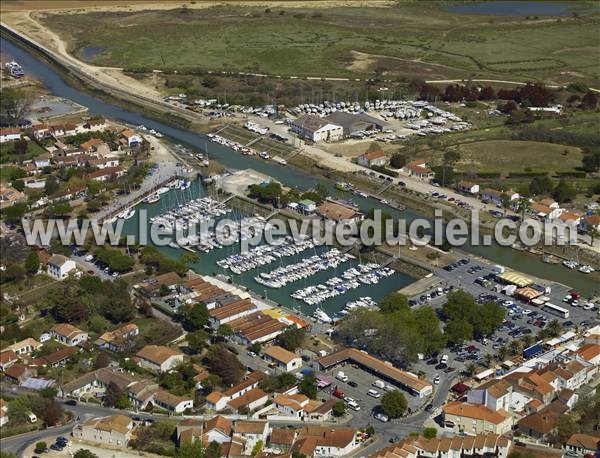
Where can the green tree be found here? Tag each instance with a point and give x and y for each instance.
(308, 386)
(257, 448)
(430, 433)
(458, 331)
(32, 263)
(394, 302)
(197, 340)
(292, 338)
(398, 160)
(192, 450)
(339, 409)
(195, 316)
(554, 328)
(14, 103)
(40, 447)
(222, 362)
(564, 192)
(394, 404)
(541, 185)
(84, 453)
(225, 330)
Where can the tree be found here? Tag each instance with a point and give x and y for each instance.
(339, 409)
(51, 185)
(458, 331)
(52, 413)
(394, 404)
(292, 338)
(32, 263)
(192, 450)
(589, 101)
(225, 364)
(102, 360)
(541, 185)
(398, 160)
(566, 426)
(225, 330)
(84, 453)
(197, 340)
(564, 192)
(470, 369)
(257, 448)
(554, 328)
(213, 450)
(195, 317)
(308, 386)
(48, 393)
(430, 433)
(591, 161)
(112, 395)
(40, 447)
(394, 302)
(14, 103)
(523, 206)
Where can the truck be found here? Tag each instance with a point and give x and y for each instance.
(339, 393)
(341, 376)
(379, 384)
(498, 269)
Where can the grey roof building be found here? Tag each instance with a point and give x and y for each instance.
(356, 122)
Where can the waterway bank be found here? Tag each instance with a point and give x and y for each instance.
(290, 176)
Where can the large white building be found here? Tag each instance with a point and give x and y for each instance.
(60, 266)
(317, 129)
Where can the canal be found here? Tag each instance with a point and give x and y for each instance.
(53, 81)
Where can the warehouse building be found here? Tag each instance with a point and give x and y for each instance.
(317, 129)
(355, 123)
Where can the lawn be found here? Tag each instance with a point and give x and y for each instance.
(7, 152)
(407, 39)
(517, 156)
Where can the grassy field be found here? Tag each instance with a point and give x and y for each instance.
(512, 155)
(408, 40)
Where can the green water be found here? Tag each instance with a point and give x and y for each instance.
(207, 262)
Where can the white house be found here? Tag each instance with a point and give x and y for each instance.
(25, 346)
(159, 358)
(317, 129)
(419, 170)
(284, 359)
(467, 187)
(133, 138)
(60, 266)
(372, 158)
(252, 431)
(172, 403)
(9, 135)
(495, 197)
(114, 430)
(583, 444)
(68, 334)
(495, 395)
(218, 400)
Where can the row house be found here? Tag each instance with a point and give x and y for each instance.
(218, 400)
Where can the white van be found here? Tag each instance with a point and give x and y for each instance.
(374, 394)
(354, 405)
(32, 417)
(379, 384)
(444, 359)
(341, 376)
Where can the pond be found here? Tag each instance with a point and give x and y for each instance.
(515, 8)
(89, 53)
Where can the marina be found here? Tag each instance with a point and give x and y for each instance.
(521, 261)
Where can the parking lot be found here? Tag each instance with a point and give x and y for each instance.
(356, 388)
(521, 318)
